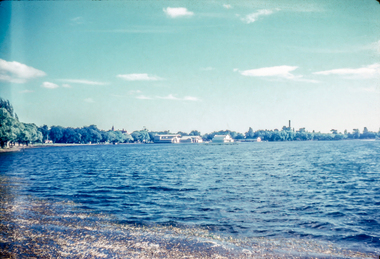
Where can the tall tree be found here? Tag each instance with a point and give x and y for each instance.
(249, 133)
(45, 132)
(6, 105)
(8, 131)
(56, 133)
(71, 136)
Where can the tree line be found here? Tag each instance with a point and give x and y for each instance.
(13, 131)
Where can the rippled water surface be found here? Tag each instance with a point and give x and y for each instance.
(322, 191)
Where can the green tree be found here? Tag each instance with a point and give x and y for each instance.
(356, 134)
(249, 133)
(105, 137)
(8, 131)
(128, 138)
(31, 134)
(111, 136)
(70, 135)
(120, 137)
(179, 133)
(141, 136)
(45, 132)
(6, 105)
(56, 133)
(194, 133)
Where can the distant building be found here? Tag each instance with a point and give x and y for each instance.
(222, 139)
(190, 139)
(167, 138)
(251, 140)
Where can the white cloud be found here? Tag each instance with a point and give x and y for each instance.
(66, 85)
(143, 97)
(16, 72)
(175, 12)
(26, 91)
(369, 71)
(82, 81)
(89, 100)
(277, 71)
(49, 85)
(139, 77)
(227, 6)
(250, 18)
(135, 92)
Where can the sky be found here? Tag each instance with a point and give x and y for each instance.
(193, 65)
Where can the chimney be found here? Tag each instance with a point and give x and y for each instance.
(289, 124)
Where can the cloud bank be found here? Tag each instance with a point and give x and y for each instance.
(175, 12)
(16, 72)
(370, 71)
(139, 77)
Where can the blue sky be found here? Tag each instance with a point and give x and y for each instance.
(185, 65)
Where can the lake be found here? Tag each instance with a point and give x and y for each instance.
(268, 199)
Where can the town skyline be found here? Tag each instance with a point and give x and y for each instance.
(184, 66)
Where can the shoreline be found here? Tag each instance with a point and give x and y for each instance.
(20, 148)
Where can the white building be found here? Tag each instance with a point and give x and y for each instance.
(167, 138)
(190, 139)
(222, 139)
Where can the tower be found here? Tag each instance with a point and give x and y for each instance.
(289, 125)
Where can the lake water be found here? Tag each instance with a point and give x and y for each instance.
(300, 199)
